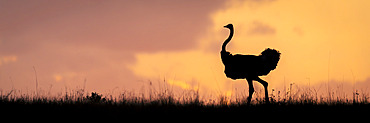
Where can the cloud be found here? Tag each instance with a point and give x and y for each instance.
(259, 28)
(299, 31)
(182, 84)
(118, 43)
(303, 35)
(256, 4)
(138, 26)
(182, 68)
(7, 59)
(93, 40)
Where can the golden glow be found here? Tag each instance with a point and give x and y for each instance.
(181, 84)
(120, 44)
(66, 77)
(7, 59)
(228, 93)
(317, 39)
(57, 77)
(181, 68)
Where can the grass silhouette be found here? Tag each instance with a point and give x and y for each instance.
(83, 103)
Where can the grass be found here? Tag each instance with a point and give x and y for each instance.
(79, 103)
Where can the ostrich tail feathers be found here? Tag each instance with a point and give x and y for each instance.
(272, 58)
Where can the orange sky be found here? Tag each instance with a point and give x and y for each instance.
(120, 44)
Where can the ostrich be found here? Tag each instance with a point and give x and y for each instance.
(249, 67)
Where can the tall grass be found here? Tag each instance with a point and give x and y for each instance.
(81, 101)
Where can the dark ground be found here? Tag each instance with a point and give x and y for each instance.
(78, 109)
(95, 106)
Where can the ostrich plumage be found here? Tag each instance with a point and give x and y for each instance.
(249, 67)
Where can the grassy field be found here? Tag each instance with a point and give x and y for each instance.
(95, 104)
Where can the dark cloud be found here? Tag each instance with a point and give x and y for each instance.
(259, 28)
(143, 26)
(93, 39)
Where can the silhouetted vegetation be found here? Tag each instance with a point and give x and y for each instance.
(95, 104)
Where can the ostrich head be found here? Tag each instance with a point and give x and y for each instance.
(230, 26)
(271, 57)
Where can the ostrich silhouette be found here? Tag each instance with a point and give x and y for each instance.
(249, 67)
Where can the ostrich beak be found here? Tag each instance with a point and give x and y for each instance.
(225, 26)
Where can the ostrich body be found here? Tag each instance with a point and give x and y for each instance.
(249, 67)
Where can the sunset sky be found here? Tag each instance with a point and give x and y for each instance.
(105, 45)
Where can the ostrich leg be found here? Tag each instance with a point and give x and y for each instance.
(251, 90)
(265, 84)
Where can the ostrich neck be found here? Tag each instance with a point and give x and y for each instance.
(228, 39)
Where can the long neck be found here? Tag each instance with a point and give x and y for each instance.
(228, 39)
